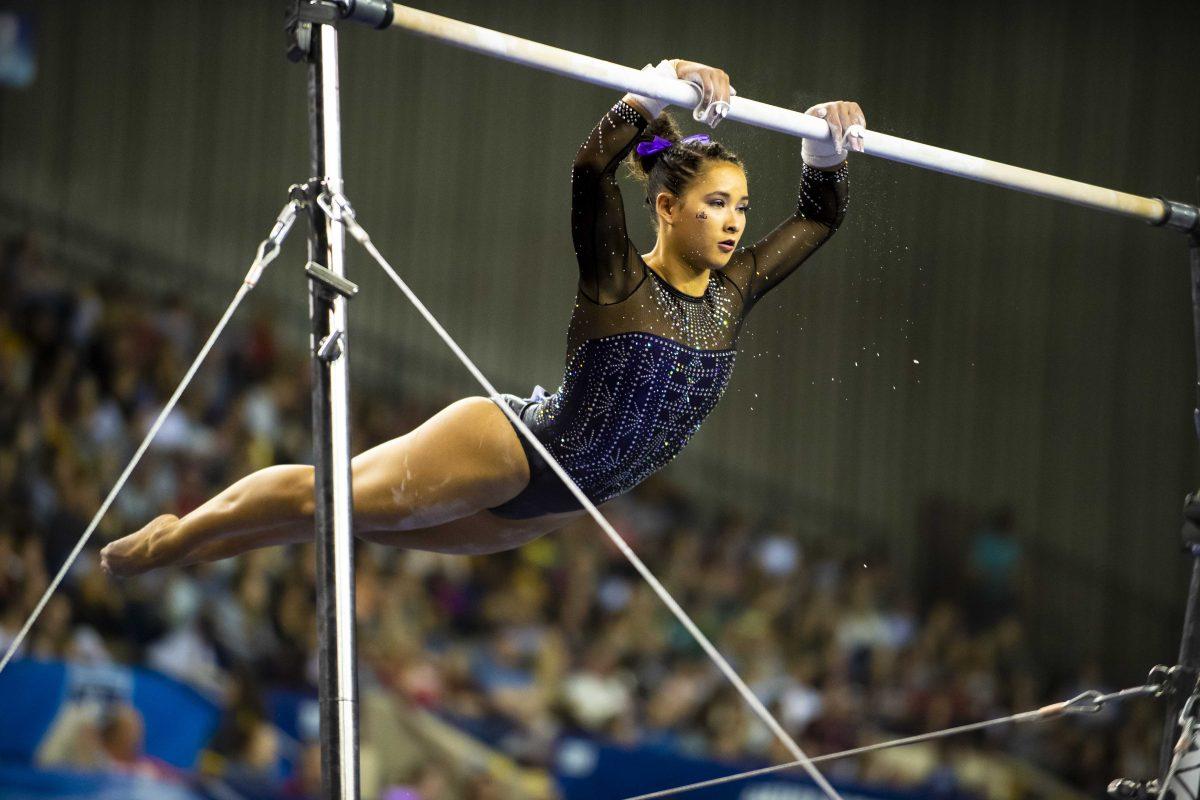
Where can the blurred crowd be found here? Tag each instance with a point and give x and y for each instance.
(517, 649)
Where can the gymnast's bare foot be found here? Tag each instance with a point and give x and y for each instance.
(133, 554)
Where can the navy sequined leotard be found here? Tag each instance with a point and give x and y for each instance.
(646, 362)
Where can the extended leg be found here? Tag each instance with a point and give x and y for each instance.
(464, 459)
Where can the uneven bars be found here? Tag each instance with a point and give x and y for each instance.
(615, 76)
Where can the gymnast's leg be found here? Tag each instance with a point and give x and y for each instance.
(407, 492)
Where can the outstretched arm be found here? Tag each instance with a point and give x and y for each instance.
(820, 209)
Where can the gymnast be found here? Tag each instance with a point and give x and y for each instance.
(650, 348)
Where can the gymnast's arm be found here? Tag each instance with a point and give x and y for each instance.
(824, 194)
(609, 269)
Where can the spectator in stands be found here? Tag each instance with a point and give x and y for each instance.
(305, 782)
(993, 569)
(119, 746)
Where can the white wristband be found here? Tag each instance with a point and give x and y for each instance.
(821, 154)
(654, 106)
(827, 154)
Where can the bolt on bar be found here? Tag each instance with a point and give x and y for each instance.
(796, 123)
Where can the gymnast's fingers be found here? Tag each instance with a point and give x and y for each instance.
(723, 88)
(859, 117)
(856, 121)
(848, 118)
(721, 101)
(829, 112)
(839, 121)
(862, 125)
(704, 84)
(714, 98)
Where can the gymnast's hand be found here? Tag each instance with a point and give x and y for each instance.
(841, 116)
(715, 90)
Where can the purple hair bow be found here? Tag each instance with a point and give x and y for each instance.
(658, 143)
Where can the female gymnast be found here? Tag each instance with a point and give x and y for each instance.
(650, 348)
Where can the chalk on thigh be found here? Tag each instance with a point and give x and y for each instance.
(462, 460)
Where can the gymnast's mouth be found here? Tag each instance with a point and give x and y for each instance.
(727, 245)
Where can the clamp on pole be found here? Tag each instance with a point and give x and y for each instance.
(303, 14)
(1179, 216)
(337, 207)
(331, 280)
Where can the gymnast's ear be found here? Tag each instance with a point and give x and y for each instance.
(666, 205)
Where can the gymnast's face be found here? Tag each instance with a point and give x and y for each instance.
(708, 222)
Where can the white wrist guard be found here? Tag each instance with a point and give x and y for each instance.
(830, 154)
(654, 106)
(822, 154)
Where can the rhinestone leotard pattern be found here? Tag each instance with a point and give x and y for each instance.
(630, 401)
(646, 363)
(629, 404)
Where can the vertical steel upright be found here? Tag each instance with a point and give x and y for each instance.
(1189, 645)
(313, 39)
(338, 686)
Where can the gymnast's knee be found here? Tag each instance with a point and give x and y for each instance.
(300, 486)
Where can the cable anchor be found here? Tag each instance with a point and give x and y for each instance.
(337, 207)
(269, 248)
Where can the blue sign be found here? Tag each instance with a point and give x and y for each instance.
(34, 695)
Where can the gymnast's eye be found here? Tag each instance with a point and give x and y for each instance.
(718, 203)
(744, 209)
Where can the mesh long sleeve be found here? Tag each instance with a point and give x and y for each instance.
(609, 268)
(820, 209)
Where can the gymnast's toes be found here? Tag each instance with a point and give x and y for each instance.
(132, 554)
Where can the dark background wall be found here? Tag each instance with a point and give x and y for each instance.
(954, 340)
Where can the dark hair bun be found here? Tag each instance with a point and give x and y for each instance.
(664, 126)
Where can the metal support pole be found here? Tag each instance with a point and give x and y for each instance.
(331, 434)
(1189, 663)
(1189, 646)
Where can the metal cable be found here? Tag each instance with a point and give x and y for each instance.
(1086, 703)
(267, 251)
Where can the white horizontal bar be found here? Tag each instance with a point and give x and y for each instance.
(762, 115)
